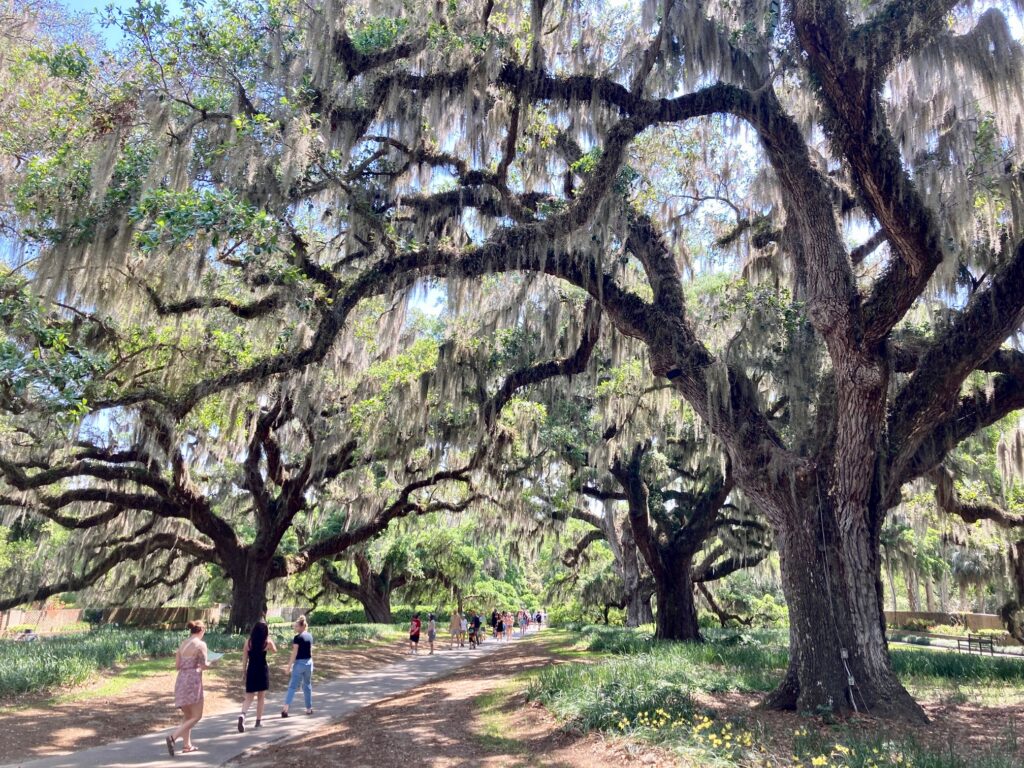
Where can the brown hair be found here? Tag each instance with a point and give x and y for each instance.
(301, 621)
(195, 627)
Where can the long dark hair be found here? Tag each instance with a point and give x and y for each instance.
(258, 636)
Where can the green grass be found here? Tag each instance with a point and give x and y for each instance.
(125, 678)
(645, 689)
(493, 722)
(71, 660)
(913, 664)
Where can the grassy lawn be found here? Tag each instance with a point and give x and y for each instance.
(658, 692)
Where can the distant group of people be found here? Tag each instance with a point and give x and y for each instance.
(463, 628)
(504, 624)
(193, 657)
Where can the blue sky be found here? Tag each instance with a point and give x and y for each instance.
(96, 9)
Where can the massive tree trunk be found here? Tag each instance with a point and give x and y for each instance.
(376, 605)
(676, 618)
(249, 579)
(373, 591)
(669, 557)
(839, 658)
(1012, 612)
(929, 593)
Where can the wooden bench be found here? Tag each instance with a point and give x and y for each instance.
(973, 643)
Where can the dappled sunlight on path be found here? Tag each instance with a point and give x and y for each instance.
(219, 740)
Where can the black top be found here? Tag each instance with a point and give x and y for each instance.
(305, 642)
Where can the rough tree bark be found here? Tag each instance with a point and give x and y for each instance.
(1012, 613)
(249, 579)
(838, 651)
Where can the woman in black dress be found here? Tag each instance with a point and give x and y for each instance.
(256, 671)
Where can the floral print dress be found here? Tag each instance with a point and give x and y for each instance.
(188, 688)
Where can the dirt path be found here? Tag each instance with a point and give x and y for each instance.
(460, 721)
(85, 717)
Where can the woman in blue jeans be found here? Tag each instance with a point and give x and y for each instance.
(302, 667)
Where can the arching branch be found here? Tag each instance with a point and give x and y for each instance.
(948, 500)
(110, 560)
(571, 556)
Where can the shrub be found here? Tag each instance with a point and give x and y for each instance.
(600, 696)
(619, 640)
(707, 620)
(916, 625)
(324, 616)
(336, 634)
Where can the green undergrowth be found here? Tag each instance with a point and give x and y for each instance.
(70, 660)
(644, 689)
(919, 665)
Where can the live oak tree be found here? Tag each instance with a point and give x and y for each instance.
(670, 513)
(388, 144)
(271, 513)
(426, 559)
(673, 525)
(287, 484)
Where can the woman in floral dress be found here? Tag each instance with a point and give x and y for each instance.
(190, 661)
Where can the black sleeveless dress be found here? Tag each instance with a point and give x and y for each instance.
(257, 674)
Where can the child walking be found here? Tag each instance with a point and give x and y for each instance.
(414, 633)
(431, 632)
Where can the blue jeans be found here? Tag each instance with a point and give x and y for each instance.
(302, 674)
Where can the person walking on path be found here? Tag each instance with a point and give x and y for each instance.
(256, 671)
(463, 631)
(414, 633)
(455, 630)
(431, 632)
(190, 661)
(302, 667)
